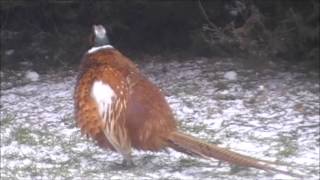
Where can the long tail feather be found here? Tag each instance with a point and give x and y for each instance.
(187, 144)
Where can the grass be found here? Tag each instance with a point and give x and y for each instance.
(289, 146)
(24, 136)
(6, 120)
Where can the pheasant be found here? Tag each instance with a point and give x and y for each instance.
(118, 107)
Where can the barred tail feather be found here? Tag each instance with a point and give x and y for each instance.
(189, 145)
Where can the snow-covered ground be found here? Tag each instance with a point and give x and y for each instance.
(270, 113)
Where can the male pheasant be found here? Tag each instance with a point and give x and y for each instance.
(116, 105)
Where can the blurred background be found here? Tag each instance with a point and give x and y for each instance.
(55, 32)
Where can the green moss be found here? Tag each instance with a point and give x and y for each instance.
(24, 136)
(234, 169)
(189, 162)
(6, 120)
(68, 120)
(289, 146)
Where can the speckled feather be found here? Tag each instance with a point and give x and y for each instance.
(140, 116)
(147, 123)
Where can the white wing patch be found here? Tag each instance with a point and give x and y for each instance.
(103, 95)
(94, 49)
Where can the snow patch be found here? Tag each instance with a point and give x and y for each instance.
(248, 120)
(231, 76)
(32, 76)
(185, 109)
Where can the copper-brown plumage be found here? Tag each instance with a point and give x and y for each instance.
(139, 116)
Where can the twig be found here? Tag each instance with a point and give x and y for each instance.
(206, 15)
